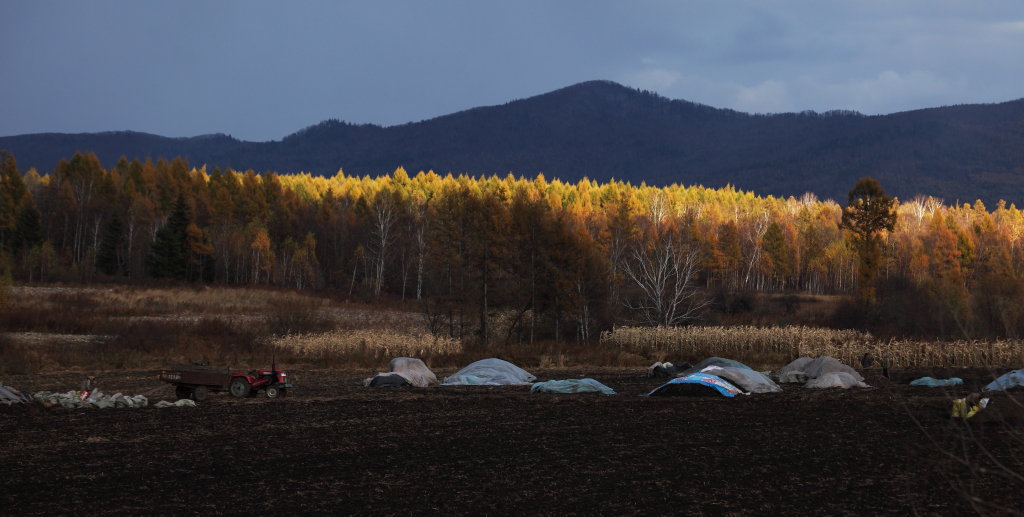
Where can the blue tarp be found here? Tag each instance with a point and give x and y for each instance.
(700, 379)
(1006, 381)
(934, 383)
(572, 386)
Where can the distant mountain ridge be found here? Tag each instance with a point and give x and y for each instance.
(603, 130)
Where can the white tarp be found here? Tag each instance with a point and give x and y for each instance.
(1006, 381)
(836, 380)
(490, 372)
(411, 369)
(414, 370)
(745, 378)
(805, 368)
(586, 385)
(11, 396)
(794, 371)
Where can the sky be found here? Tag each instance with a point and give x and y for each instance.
(262, 69)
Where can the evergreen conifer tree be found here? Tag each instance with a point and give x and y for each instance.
(168, 256)
(28, 229)
(109, 256)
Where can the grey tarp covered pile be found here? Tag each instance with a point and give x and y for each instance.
(572, 386)
(96, 399)
(490, 372)
(10, 396)
(713, 361)
(408, 369)
(805, 369)
(744, 378)
(836, 380)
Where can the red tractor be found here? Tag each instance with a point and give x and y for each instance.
(197, 381)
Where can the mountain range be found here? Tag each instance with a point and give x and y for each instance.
(603, 130)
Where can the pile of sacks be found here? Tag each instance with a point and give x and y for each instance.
(95, 399)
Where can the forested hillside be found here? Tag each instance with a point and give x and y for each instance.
(602, 130)
(563, 259)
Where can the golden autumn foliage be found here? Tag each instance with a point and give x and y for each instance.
(476, 245)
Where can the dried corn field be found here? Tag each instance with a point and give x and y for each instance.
(769, 345)
(374, 343)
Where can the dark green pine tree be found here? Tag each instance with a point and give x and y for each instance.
(108, 257)
(28, 229)
(168, 256)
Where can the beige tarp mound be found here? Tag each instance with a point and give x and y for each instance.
(836, 380)
(747, 379)
(804, 369)
(413, 370)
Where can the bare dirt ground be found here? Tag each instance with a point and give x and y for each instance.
(334, 447)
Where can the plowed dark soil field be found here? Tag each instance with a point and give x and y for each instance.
(334, 447)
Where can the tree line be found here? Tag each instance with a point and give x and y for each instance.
(560, 260)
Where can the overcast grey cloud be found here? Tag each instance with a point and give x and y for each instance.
(259, 70)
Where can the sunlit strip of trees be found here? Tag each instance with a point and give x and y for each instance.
(563, 259)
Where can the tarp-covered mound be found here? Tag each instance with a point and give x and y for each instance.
(697, 384)
(572, 386)
(714, 361)
(404, 371)
(793, 372)
(936, 383)
(386, 380)
(803, 369)
(745, 378)
(836, 380)
(490, 372)
(1006, 381)
(10, 396)
(96, 399)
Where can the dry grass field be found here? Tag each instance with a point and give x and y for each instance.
(57, 328)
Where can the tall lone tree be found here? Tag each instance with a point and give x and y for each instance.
(109, 258)
(168, 257)
(868, 213)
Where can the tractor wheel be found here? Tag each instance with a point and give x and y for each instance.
(273, 392)
(199, 393)
(182, 392)
(240, 387)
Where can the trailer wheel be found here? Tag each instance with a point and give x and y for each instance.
(239, 387)
(182, 392)
(199, 393)
(273, 392)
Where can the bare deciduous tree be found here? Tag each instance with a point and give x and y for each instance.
(664, 276)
